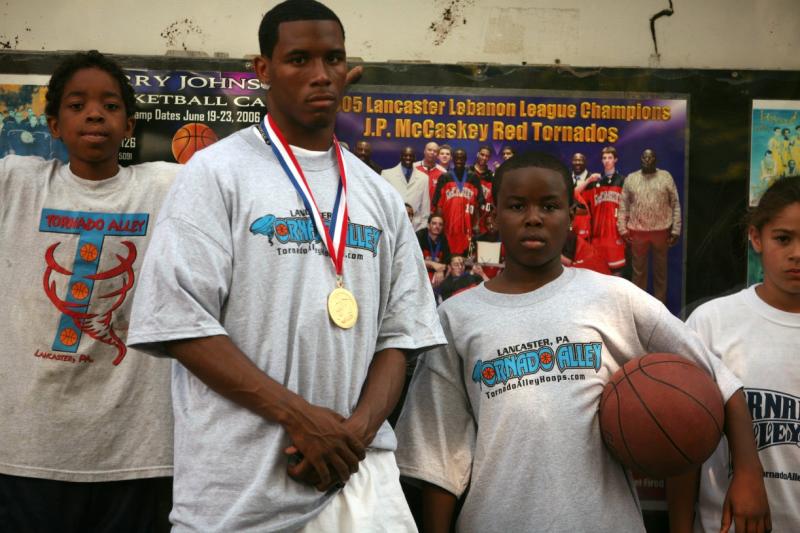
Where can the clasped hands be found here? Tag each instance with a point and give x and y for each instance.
(329, 447)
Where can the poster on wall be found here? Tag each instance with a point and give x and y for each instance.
(774, 154)
(23, 123)
(180, 112)
(387, 121)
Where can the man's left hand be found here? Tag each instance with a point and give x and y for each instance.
(672, 240)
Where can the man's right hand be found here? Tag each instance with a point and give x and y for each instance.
(330, 452)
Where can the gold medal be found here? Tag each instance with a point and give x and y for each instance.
(342, 308)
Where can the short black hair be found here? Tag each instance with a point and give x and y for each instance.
(79, 61)
(290, 11)
(780, 195)
(536, 160)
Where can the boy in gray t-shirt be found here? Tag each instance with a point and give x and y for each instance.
(508, 408)
(276, 395)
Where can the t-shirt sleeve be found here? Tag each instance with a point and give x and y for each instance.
(409, 321)
(186, 273)
(670, 335)
(436, 431)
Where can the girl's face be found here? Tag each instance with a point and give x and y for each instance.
(778, 242)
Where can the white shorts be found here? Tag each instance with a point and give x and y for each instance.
(371, 501)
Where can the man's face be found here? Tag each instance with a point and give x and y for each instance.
(507, 154)
(578, 163)
(648, 161)
(431, 150)
(363, 150)
(460, 159)
(306, 74)
(435, 226)
(482, 158)
(609, 162)
(407, 157)
(444, 157)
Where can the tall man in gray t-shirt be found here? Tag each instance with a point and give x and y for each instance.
(278, 398)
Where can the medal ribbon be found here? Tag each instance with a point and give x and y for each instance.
(434, 250)
(336, 239)
(460, 182)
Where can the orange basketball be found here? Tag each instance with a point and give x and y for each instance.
(191, 138)
(79, 290)
(68, 337)
(88, 252)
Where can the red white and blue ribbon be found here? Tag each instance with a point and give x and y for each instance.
(336, 239)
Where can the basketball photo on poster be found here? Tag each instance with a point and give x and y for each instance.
(189, 139)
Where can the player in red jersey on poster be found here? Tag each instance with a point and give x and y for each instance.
(481, 169)
(459, 198)
(428, 166)
(603, 198)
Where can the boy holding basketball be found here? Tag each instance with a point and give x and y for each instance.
(508, 409)
(87, 426)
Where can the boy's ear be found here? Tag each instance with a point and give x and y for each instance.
(52, 124)
(755, 238)
(261, 66)
(131, 123)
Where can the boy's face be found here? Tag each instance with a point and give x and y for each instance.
(460, 159)
(457, 266)
(92, 122)
(507, 154)
(609, 162)
(444, 157)
(306, 74)
(482, 158)
(435, 226)
(533, 216)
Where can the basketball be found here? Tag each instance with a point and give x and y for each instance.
(79, 290)
(88, 252)
(191, 138)
(68, 336)
(661, 415)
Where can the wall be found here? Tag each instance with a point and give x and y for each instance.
(737, 34)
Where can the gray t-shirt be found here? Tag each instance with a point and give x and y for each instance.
(77, 405)
(509, 407)
(234, 253)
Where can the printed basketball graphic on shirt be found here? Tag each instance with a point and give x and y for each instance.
(189, 139)
(298, 229)
(535, 362)
(74, 282)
